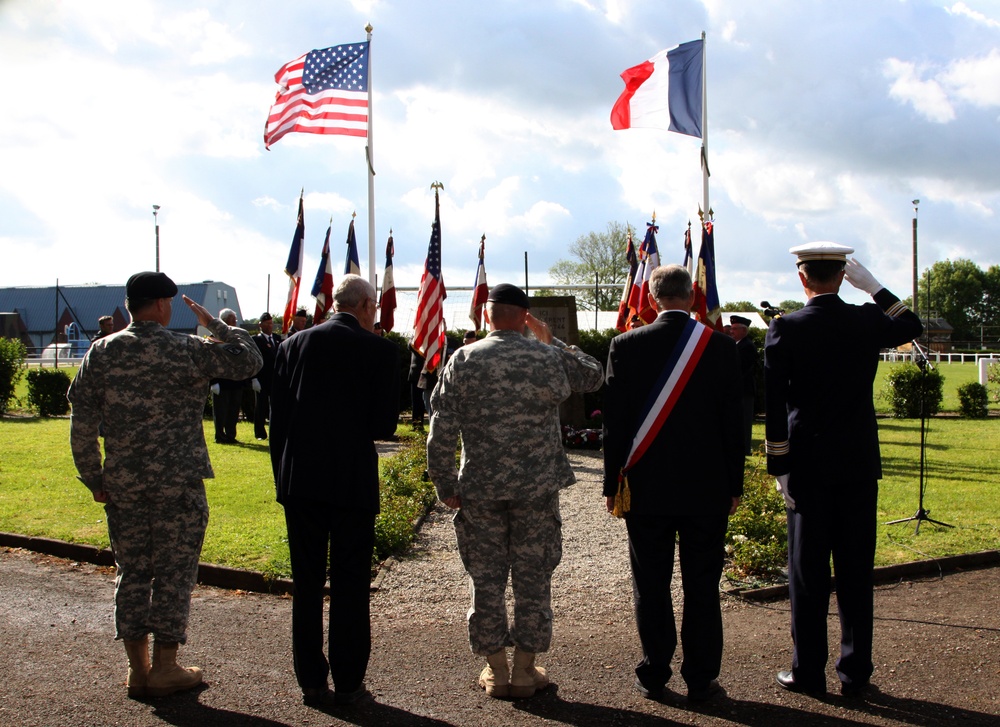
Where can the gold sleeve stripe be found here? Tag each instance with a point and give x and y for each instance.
(776, 448)
(896, 308)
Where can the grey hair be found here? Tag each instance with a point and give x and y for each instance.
(228, 313)
(670, 281)
(352, 291)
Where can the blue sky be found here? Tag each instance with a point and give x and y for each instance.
(825, 121)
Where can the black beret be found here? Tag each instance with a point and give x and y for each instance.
(264, 317)
(740, 320)
(301, 312)
(149, 285)
(509, 294)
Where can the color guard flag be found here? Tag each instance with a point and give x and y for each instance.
(650, 260)
(480, 291)
(293, 269)
(322, 92)
(322, 289)
(706, 293)
(429, 327)
(351, 264)
(624, 312)
(387, 301)
(665, 92)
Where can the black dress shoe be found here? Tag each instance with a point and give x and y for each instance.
(343, 699)
(320, 697)
(786, 680)
(706, 693)
(855, 689)
(655, 693)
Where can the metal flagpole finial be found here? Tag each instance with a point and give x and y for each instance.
(369, 28)
(701, 215)
(654, 217)
(437, 185)
(353, 215)
(483, 239)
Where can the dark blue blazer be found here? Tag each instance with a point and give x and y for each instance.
(697, 458)
(819, 365)
(333, 394)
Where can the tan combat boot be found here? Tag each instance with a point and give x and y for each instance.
(525, 677)
(138, 666)
(165, 676)
(495, 677)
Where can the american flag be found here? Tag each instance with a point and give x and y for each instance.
(322, 289)
(706, 293)
(429, 327)
(322, 92)
(387, 301)
(624, 311)
(351, 264)
(293, 269)
(480, 290)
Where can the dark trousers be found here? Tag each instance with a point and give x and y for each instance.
(748, 407)
(845, 529)
(316, 529)
(651, 540)
(226, 412)
(261, 413)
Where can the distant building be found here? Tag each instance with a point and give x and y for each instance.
(44, 317)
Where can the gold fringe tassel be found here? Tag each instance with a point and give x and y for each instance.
(623, 498)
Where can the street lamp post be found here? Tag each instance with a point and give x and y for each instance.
(156, 224)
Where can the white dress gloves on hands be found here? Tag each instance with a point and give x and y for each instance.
(782, 482)
(858, 276)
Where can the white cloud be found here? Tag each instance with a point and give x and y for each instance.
(964, 10)
(975, 80)
(926, 97)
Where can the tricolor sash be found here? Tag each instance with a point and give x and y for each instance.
(661, 400)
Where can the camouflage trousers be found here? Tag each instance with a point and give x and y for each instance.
(522, 540)
(156, 539)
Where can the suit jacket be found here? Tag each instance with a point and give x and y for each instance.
(748, 364)
(333, 394)
(268, 352)
(697, 457)
(819, 365)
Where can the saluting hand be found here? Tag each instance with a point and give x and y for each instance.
(539, 329)
(200, 311)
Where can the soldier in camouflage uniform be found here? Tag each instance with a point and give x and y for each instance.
(147, 386)
(502, 396)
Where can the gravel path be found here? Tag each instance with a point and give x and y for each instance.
(937, 648)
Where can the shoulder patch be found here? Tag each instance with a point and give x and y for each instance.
(233, 348)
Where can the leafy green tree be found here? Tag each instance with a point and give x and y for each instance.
(740, 306)
(956, 294)
(790, 306)
(600, 257)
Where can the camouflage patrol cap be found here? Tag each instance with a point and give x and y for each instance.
(509, 294)
(147, 285)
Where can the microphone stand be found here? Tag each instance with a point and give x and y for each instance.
(921, 515)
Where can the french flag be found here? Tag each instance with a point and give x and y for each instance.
(665, 92)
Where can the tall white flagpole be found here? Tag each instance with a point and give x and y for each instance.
(371, 168)
(704, 124)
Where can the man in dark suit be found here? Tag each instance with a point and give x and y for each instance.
(822, 444)
(739, 328)
(334, 393)
(267, 343)
(687, 483)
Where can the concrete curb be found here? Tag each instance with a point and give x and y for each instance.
(234, 579)
(889, 573)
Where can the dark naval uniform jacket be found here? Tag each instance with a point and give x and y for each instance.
(819, 365)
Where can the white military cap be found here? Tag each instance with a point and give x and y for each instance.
(822, 250)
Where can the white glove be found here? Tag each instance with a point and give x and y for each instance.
(215, 388)
(858, 276)
(255, 385)
(782, 482)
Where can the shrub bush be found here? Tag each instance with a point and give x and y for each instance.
(47, 391)
(993, 377)
(12, 355)
(973, 401)
(903, 386)
(757, 542)
(404, 496)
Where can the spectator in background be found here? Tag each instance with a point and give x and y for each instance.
(106, 326)
(267, 343)
(417, 406)
(299, 322)
(227, 396)
(739, 328)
